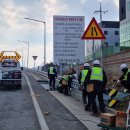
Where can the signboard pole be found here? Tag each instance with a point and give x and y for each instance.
(77, 69)
(93, 50)
(34, 64)
(101, 54)
(93, 32)
(60, 69)
(34, 58)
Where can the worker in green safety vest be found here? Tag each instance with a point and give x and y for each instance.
(52, 75)
(97, 79)
(125, 78)
(81, 80)
(66, 83)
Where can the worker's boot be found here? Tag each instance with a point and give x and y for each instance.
(87, 108)
(95, 114)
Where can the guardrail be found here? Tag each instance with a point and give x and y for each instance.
(74, 85)
(75, 92)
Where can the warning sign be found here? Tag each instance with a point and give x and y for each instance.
(93, 31)
(16, 57)
(34, 57)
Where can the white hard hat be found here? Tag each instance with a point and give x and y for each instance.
(122, 66)
(97, 62)
(74, 76)
(86, 64)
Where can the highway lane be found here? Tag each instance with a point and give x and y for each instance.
(59, 117)
(17, 109)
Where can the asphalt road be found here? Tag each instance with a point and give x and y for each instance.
(17, 110)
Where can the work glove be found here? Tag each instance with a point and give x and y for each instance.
(125, 90)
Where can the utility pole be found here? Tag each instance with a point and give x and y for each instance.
(96, 12)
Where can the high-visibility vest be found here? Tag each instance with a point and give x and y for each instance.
(65, 77)
(96, 74)
(83, 75)
(125, 77)
(51, 70)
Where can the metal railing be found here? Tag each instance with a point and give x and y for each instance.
(106, 51)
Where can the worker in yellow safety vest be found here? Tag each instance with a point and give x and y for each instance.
(66, 83)
(95, 83)
(125, 78)
(52, 75)
(81, 79)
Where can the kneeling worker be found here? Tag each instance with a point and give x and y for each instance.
(125, 78)
(66, 83)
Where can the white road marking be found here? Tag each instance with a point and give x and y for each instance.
(40, 116)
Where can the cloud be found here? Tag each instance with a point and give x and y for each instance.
(116, 3)
(83, 1)
(11, 13)
(50, 8)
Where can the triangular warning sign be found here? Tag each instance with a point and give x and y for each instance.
(34, 57)
(93, 31)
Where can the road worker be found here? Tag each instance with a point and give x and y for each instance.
(81, 79)
(52, 75)
(95, 82)
(66, 83)
(125, 78)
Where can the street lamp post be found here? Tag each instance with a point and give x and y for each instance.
(27, 52)
(44, 36)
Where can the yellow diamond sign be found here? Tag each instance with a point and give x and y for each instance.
(93, 31)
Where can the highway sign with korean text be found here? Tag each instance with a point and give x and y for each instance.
(93, 31)
(68, 46)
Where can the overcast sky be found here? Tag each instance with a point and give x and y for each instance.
(14, 27)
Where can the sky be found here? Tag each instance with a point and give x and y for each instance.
(14, 26)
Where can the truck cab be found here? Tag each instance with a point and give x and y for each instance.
(10, 73)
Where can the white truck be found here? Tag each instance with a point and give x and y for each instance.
(10, 71)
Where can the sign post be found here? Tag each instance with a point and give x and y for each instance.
(94, 32)
(34, 58)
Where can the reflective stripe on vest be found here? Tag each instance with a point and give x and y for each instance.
(83, 75)
(96, 74)
(125, 77)
(51, 70)
(65, 77)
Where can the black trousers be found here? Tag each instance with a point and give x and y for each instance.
(52, 82)
(84, 96)
(99, 93)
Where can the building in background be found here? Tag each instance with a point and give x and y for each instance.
(124, 13)
(110, 45)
